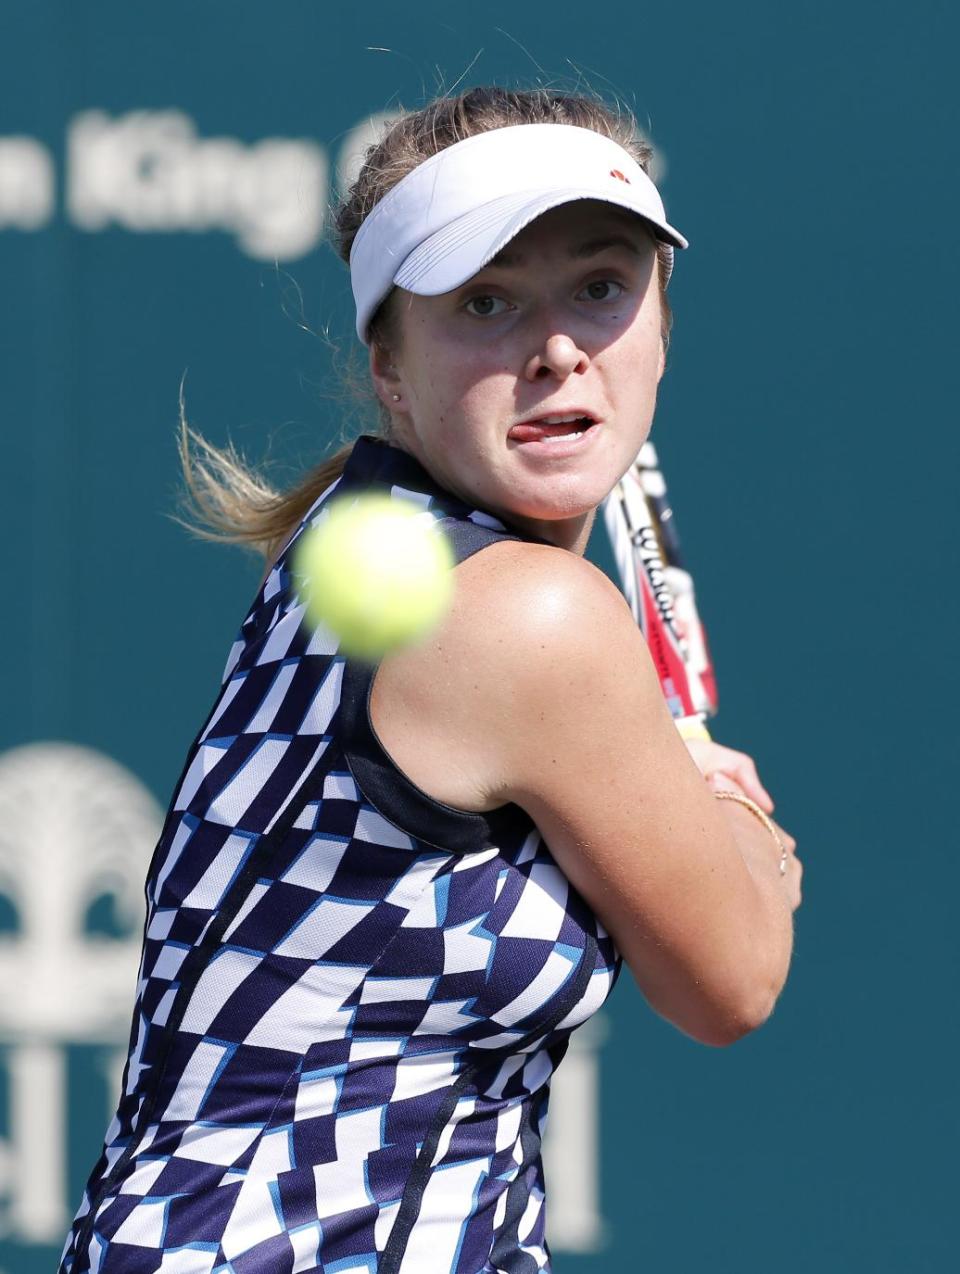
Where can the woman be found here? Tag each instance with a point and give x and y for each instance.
(362, 961)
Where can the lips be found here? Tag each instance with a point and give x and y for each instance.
(566, 424)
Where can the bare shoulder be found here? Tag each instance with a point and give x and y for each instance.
(567, 675)
(536, 591)
(535, 634)
(537, 584)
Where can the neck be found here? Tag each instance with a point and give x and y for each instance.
(568, 533)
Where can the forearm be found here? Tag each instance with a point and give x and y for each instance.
(777, 887)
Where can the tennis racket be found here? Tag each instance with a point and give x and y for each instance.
(660, 592)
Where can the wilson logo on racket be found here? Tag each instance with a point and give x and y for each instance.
(645, 544)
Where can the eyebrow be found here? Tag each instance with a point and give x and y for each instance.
(508, 257)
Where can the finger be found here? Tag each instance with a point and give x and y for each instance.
(721, 781)
(713, 758)
(739, 778)
(746, 775)
(751, 766)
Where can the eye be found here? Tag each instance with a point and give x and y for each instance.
(603, 290)
(485, 306)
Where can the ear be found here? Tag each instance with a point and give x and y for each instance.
(385, 376)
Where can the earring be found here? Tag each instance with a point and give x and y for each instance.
(395, 397)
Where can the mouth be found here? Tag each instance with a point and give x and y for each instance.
(566, 425)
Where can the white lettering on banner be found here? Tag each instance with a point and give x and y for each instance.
(149, 171)
(27, 183)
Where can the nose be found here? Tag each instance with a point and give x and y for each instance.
(558, 356)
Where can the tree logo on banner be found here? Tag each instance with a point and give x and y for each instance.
(76, 833)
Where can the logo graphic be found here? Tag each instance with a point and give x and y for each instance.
(615, 172)
(76, 833)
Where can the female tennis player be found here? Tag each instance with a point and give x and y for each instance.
(385, 895)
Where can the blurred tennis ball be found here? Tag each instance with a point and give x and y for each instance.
(377, 572)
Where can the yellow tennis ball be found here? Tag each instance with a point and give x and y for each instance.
(377, 572)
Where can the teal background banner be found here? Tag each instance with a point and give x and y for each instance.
(165, 172)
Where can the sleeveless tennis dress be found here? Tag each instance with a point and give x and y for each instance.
(352, 997)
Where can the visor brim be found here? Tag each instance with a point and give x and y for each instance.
(457, 252)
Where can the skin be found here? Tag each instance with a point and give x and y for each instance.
(574, 323)
(555, 705)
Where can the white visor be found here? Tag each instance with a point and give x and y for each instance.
(449, 217)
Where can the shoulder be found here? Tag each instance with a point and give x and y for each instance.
(539, 590)
(538, 641)
(536, 616)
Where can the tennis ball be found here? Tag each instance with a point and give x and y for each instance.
(377, 572)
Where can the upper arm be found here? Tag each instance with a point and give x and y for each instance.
(540, 690)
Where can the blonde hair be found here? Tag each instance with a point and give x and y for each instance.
(228, 500)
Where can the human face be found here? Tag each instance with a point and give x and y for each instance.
(561, 328)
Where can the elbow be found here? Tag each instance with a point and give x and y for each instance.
(745, 1003)
(717, 1020)
(728, 1027)
(730, 994)
(720, 1015)
(744, 1007)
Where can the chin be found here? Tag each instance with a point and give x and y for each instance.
(562, 510)
(571, 499)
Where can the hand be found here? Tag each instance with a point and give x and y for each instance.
(757, 847)
(725, 769)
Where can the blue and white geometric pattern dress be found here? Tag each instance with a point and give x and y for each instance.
(352, 997)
